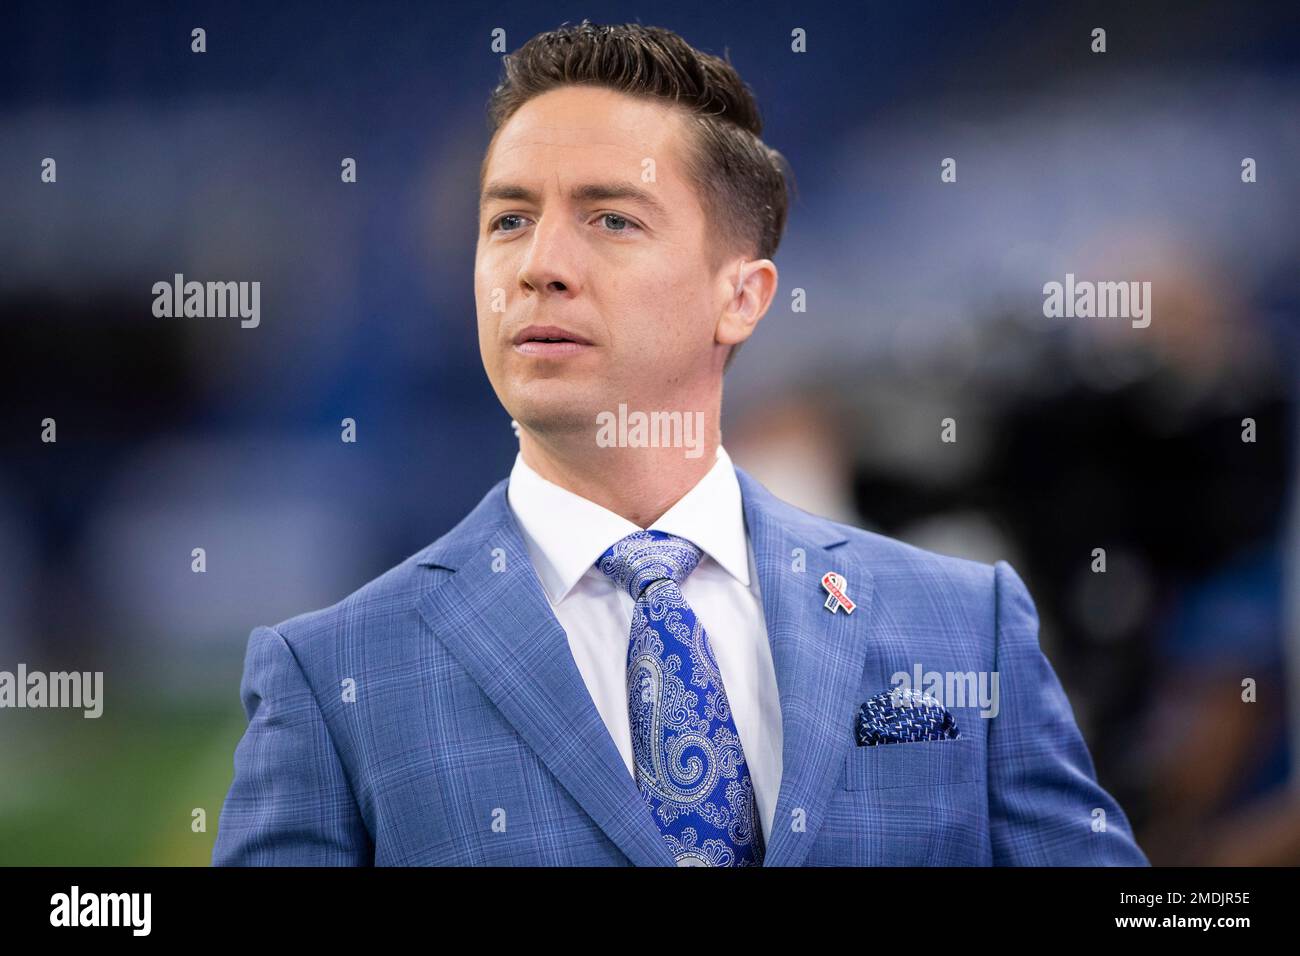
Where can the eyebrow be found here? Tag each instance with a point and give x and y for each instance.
(587, 192)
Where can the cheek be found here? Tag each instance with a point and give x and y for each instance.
(485, 297)
(481, 285)
(682, 306)
(668, 301)
(488, 267)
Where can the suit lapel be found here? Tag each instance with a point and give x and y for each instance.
(818, 656)
(501, 628)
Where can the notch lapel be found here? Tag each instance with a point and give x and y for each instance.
(819, 658)
(501, 628)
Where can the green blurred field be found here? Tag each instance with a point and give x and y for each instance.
(118, 790)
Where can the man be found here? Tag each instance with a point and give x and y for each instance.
(630, 652)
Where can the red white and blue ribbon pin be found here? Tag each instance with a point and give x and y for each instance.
(838, 587)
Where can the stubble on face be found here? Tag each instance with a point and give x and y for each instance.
(643, 297)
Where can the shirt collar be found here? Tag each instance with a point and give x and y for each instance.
(566, 533)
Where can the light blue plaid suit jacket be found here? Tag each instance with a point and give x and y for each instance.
(437, 717)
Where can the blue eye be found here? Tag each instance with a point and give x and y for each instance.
(497, 223)
(627, 223)
(614, 222)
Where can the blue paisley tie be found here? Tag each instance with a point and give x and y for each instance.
(690, 766)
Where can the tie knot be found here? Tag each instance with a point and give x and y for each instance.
(644, 557)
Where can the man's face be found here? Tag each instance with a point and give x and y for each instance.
(590, 230)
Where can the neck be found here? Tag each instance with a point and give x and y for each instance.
(639, 484)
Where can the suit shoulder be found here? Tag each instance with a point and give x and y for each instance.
(940, 592)
(373, 609)
(896, 565)
(391, 593)
(896, 554)
(890, 560)
(893, 563)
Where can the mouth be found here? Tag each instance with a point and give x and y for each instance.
(549, 341)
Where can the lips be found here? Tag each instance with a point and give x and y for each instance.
(549, 334)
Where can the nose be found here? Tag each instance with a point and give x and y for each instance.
(547, 267)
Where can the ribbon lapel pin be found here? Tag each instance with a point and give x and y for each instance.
(838, 588)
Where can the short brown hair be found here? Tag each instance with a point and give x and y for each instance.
(740, 180)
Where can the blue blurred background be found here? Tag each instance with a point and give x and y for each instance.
(924, 302)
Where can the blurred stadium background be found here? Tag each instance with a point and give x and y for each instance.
(924, 301)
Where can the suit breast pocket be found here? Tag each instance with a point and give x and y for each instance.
(921, 763)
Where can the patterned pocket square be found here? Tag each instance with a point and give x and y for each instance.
(903, 716)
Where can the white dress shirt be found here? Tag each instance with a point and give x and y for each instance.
(566, 533)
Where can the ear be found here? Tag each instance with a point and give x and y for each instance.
(746, 291)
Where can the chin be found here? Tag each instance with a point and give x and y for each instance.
(553, 415)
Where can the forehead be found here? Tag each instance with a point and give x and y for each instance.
(575, 130)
